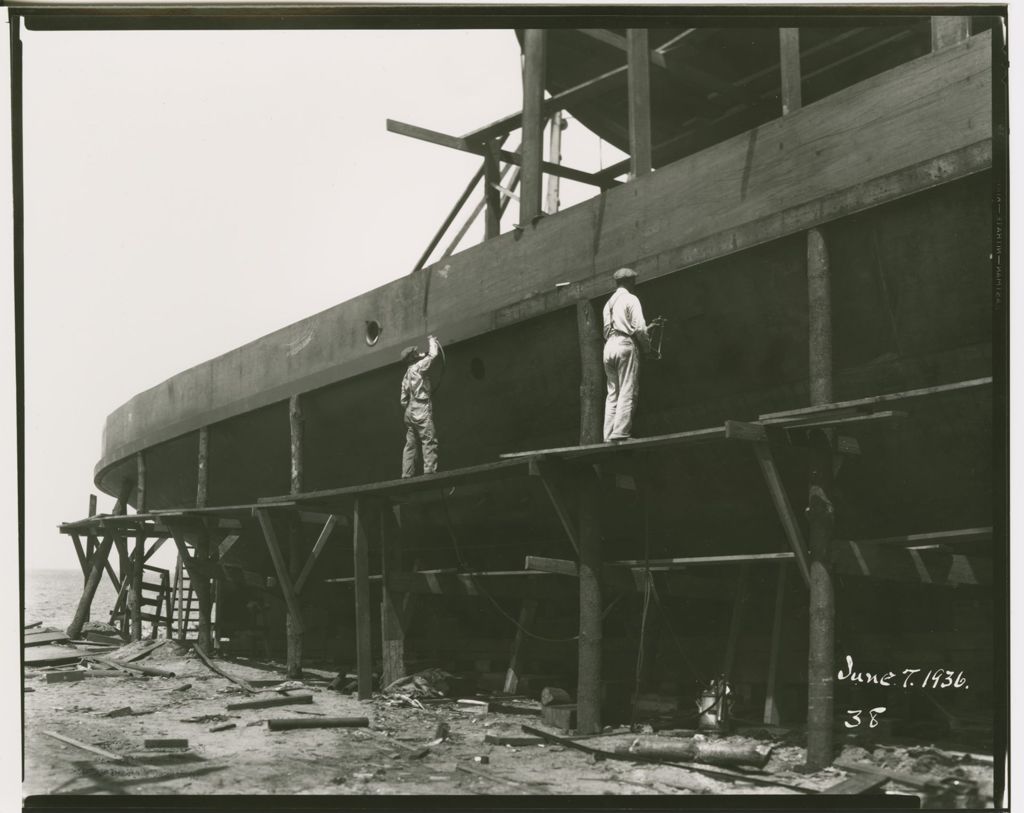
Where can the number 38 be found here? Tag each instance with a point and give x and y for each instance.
(855, 720)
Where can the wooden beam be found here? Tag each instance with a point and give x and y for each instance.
(293, 632)
(936, 567)
(74, 631)
(780, 500)
(591, 632)
(599, 85)
(785, 434)
(449, 219)
(947, 31)
(492, 198)
(557, 124)
(696, 436)
(135, 589)
(471, 219)
(430, 136)
(321, 541)
(295, 422)
(361, 519)
(82, 560)
(677, 68)
(556, 484)
(202, 477)
(392, 619)
(639, 101)
(154, 548)
(226, 544)
(789, 65)
(280, 567)
(931, 538)
(140, 482)
(820, 513)
(535, 45)
(860, 406)
(527, 610)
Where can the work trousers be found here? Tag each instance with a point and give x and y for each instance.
(622, 369)
(419, 437)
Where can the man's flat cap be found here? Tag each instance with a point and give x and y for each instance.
(624, 273)
(409, 352)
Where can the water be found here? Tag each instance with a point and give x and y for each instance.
(51, 596)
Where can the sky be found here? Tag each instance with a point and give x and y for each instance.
(187, 192)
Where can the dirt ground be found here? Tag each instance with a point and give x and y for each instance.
(379, 759)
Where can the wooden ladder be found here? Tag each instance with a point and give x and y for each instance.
(184, 611)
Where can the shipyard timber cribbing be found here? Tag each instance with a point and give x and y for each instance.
(813, 219)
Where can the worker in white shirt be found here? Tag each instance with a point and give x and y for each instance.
(420, 437)
(625, 337)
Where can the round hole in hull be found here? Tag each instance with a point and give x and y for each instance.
(373, 331)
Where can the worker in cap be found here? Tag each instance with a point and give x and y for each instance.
(420, 437)
(625, 337)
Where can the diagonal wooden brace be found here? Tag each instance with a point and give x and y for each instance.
(556, 484)
(321, 541)
(782, 506)
(280, 567)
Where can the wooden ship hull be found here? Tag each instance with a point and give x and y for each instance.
(894, 169)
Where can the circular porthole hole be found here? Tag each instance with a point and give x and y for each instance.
(476, 369)
(373, 331)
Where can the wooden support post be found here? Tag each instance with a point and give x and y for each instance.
(165, 589)
(85, 602)
(771, 710)
(92, 505)
(638, 55)
(534, 75)
(592, 380)
(179, 596)
(558, 123)
(293, 624)
(492, 197)
(392, 621)
(203, 467)
(361, 523)
(789, 64)
(140, 482)
(295, 421)
(135, 589)
(293, 632)
(736, 623)
(783, 508)
(588, 686)
(948, 31)
(204, 591)
(515, 664)
(821, 645)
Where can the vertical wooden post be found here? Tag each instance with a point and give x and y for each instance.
(135, 588)
(492, 197)
(361, 571)
(592, 381)
(165, 591)
(293, 631)
(392, 622)
(948, 31)
(638, 54)
(821, 645)
(140, 482)
(558, 123)
(535, 43)
(200, 581)
(203, 470)
(736, 622)
(588, 687)
(92, 505)
(771, 711)
(789, 64)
